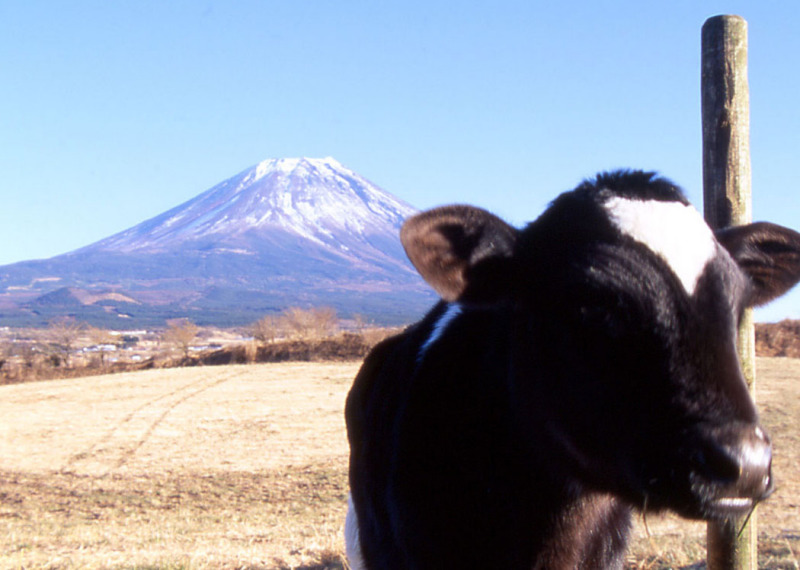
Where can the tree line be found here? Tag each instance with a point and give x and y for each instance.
(67, 347)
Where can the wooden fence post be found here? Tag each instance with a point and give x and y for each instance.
(727, 201)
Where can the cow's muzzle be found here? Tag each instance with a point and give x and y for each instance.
(732, 470)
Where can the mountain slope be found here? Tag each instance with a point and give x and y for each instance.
(284, 232)
(317, 200)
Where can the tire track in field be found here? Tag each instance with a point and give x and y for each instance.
(126, 452)
(92, 449)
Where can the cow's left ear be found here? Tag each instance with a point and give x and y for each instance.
(463, 252)
(769, 254)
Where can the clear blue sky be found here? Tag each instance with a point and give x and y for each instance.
(114, 111)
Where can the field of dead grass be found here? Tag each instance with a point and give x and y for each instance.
(245, 467)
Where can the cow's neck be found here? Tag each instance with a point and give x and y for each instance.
(590, 532)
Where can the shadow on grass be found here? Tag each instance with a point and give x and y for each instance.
(333, 565)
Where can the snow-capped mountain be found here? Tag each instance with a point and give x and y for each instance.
(314, 199)
(283, 232)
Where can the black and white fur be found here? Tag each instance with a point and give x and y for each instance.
(574, 370)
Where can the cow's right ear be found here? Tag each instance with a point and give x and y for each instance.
(463, 252)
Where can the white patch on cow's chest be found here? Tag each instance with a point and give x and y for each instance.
(675, 232)
(352, 538)
(452, 311)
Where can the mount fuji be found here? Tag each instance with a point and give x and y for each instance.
(285, 232)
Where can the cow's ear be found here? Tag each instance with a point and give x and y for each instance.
(463, 252)
(769, 254)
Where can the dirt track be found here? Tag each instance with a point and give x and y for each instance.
(212, 418)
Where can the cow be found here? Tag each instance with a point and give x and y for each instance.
(575, 371)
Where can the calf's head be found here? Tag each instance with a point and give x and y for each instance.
(624, 310)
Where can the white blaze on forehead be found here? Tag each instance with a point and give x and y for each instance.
(674, 231)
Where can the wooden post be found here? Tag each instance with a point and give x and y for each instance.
(727, 201)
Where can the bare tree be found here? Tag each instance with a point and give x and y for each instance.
(63, 334)
(326, 321)
(27, 353)
(102, 339)
(181, 333)
(266, 329)
(307, 324)
(6, 354)
(359, 323)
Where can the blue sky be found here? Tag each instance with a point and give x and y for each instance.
(114, 111)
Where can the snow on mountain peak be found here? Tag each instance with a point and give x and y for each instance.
(289, 165)
(316, 199)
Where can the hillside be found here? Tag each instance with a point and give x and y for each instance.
(778, 339)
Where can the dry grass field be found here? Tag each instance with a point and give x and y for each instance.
(245, 467)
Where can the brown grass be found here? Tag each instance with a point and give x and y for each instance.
(223, 467)
(245, 467)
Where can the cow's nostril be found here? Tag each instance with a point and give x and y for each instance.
(718, 464)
